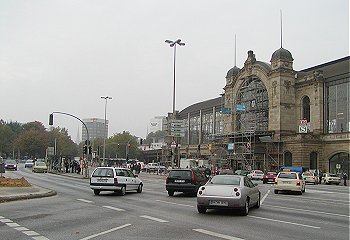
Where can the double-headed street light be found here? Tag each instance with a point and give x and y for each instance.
(106, 129)
(173, 44)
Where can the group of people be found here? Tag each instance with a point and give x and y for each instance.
(72, 166)
(135, 168)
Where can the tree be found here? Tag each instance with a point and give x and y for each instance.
(65, 145)
(117, 145)
(32, 142)
(158, 136)
(8, 134)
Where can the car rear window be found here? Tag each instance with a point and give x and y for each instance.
(288, 175)
(259, 172)
(103, 172)
(226, 180)
(180, 174)
(333, 175)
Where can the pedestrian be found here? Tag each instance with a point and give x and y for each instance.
(345, 177)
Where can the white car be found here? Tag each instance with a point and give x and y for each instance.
(256, 175)
(114, 179)
(310, 177)
(289, 181)
(329, 178)
(29, 163)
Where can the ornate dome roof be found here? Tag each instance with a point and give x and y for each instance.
(232, 72)
(282, 54)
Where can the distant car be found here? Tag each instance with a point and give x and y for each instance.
(39, 167)
(242, 172)
(310, 177)
(228, 192)
(114, 179)
(28, 164)
(226, 172)
(185, 180)
(329, 178)
(256, 175)
(11, 164)
(269, 177)
(289, 181)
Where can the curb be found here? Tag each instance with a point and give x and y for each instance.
(27, 196)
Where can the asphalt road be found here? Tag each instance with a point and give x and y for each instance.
(76, 213)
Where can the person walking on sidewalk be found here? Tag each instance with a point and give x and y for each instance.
(345, 177)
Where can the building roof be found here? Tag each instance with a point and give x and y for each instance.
(205, 105)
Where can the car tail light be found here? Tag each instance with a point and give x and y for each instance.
(193, 180)
(298, 183)
(115, 181)
(275, 180)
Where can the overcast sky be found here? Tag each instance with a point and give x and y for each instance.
(64, 55)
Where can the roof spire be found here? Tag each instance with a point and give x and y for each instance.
(281, 27)
(235, 52)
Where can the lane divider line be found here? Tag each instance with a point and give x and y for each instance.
(214, 234)
(40, 238)
(105, 232)
(12, 224)
(30, 233)
(154, 219)
(265, 196)
(280, 221)
(179, 204)
(114, 208)
(84, 200)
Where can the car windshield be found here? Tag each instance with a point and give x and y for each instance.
(308, 174)
(10, 162)
(180, 174)
(40, 164)
(259, 172)
(288, 175)
(103, 172)
(29, 161)
(226, 180)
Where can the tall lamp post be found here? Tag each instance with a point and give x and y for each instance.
(106, 129)
(173, 44)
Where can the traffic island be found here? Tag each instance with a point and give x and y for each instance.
(14, 182)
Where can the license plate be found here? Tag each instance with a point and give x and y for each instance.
(179, 181)
(102, 180)
(286, 182)
(218, 203)
(270, 180)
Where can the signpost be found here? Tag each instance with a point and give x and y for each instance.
(302, 126)
(177, 128)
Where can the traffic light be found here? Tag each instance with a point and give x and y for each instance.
(90, 150)
(141, 140)
(98, 150)
(85, 149)
(51, 119)
(209, 147)
(129, 145)
(118, 145)
(199, 147)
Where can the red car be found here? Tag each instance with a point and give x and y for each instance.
(269, 177)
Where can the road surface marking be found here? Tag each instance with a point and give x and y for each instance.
(179, 204)
(312, 211)
(21, 229)
(154, 219)
(114, 208)
(84, 200)
(30, 233)
(40, 238)
(105, 232)
(5, 220)
(265, 196)
(1, 217)
(214, 234)
(275, 220)
(12, 224)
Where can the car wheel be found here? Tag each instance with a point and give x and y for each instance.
(201, 209)
(246, 208)
(122, 191)
(257, 205)
(276, 191)
(139, 189)
(97, 192)
(171, 193)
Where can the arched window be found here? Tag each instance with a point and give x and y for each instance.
(287, 159)
(339, 163)
(306, 108)
(313, 160)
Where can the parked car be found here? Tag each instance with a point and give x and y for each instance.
(269, 177)
(29, 163)
(39, 167)
(114, 179)
(228, 192)
(242, 172)
(11, 164)
(329, 178)
(289, 181)
(310, 177)
(256, 175)
(185, 180)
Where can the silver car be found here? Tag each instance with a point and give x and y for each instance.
(228, 192)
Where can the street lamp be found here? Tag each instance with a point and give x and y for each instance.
(106, 129)
(173, 44)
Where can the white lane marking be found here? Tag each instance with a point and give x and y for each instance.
(13, 224)
(1, 217)
(114, 208)
(312, 211)
(30, 233)
(40, 238)
(105, 232)
(5, 220)
(214, 234)
(84, 200)
(265, 196)
(21, 229)
(179, 204)
(154, 219)
(275, 220)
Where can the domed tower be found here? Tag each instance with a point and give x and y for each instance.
(231, 75)
(282, 59)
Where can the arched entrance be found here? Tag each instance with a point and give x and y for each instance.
(339, 163)
(313, 160)
(287, 159)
